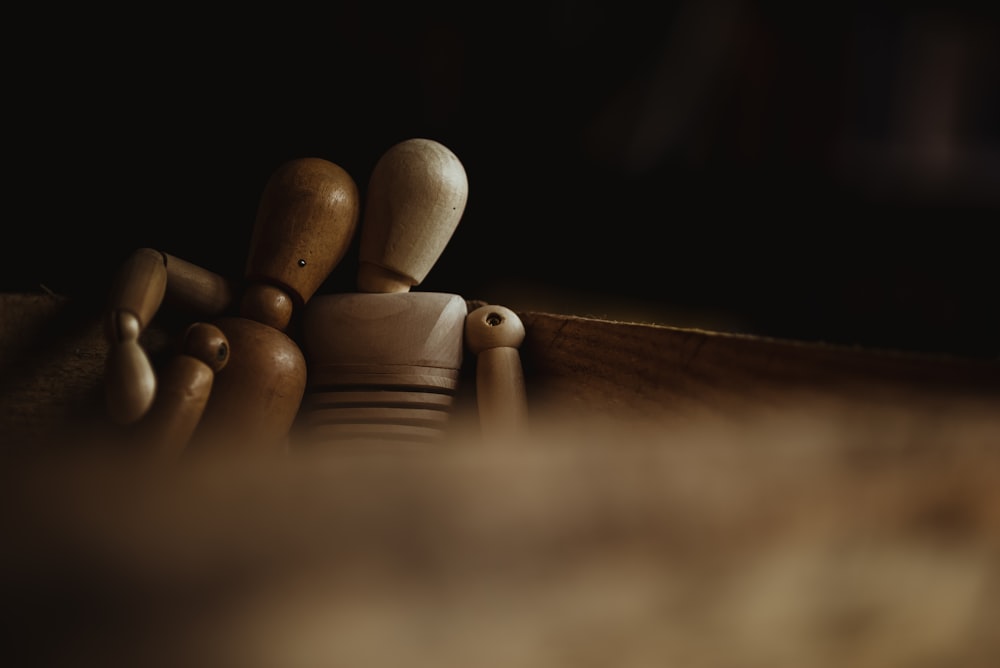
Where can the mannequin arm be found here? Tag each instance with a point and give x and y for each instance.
(184, 389)
(494, 334)
(145, 279)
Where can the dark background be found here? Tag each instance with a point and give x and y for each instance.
(830, 173)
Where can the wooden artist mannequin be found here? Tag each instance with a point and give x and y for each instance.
(243, 383)
(384, 360)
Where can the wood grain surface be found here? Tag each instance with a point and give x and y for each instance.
(684, 498)
(52, 353)
(631, 371)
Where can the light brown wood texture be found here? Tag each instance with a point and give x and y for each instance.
(681, 497)
(493, 334)
(256, 396)
(53, 354)
(419, 329)
(184, 388)
(267, 304)
(135, 297)
(416, 197)
(723, 552)
(166, 430)
(585, 367)
(139, 286)
(130, 381)
(196, 289)
(393, 348)
(146, 280)
(862, 537)
(306, 218)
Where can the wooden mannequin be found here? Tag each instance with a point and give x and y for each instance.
(381, 364)
(306, 218)
(384, 362)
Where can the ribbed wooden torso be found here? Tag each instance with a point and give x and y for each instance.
(382, 367)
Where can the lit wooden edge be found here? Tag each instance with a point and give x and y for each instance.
(52, 353)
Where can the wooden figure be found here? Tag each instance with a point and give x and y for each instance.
(384, 362)
(380, 364)
(306, 219)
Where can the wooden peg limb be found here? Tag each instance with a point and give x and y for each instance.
(139, 287)
(136, 295)
(184, 389)
(129, 381)
(199, 290)
(494, 334)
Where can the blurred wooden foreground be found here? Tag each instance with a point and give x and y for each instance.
(681, 498)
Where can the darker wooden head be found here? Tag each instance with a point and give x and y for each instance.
(306, 219)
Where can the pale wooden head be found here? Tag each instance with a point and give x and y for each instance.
(416, 198)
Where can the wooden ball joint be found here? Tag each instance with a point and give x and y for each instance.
(379, 364)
